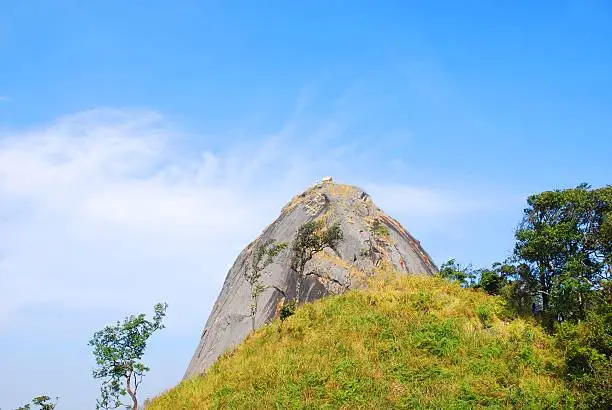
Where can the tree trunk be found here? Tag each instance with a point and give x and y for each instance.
(132, 393)
(544, 288)
(545, 301)
(297, 289)
(253, 313)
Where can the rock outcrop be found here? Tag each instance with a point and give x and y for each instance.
(370, 239)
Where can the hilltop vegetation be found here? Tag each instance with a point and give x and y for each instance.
(405, 342)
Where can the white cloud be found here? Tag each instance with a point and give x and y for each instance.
(4, 98)
(95, 205)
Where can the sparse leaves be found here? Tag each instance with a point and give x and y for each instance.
(263, 256)
(380, 229)
(312, 237)
(464, 275)
(118, 350)
(43, 403)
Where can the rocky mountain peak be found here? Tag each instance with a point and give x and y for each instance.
(370, 239)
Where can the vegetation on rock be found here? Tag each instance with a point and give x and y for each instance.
(263, 256)
(311, 238)
(380, 229)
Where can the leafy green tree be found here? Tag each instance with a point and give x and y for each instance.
(510, 279)
(520, 286)
(491, 281)
(565, 238)
(453, 271)
(43, 403)
(312, 237)
(263, 256)
(118, 351)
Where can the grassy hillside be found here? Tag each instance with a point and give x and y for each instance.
(406, 342)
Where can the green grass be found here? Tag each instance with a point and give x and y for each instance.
(407, 342)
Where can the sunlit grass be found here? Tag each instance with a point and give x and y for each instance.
(405, 342)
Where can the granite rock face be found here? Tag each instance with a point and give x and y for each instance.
(371, 239)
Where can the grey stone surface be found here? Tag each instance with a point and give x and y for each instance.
(362, 250)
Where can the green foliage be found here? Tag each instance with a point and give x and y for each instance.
(565, 237)
(508, 279)
(288, 309)
(492, 280)
(263, 256)
(118, 350)
(588, 354)
(43, 403)
(519, 289)
(438, 338)
(312, 237)
(453, 271)
(380, 229)
(485, 314)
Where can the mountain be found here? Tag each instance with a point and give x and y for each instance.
(404, 342)
(371, 239)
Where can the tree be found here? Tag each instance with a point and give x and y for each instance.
(312, 237)
(510, 279)
(262, 257)
(451, 270)
(43, 403)
(565, 238)
(118, 350)
(491, 280)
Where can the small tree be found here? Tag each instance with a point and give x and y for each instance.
(118, 350)
(312, 237)
(262, 257)
(43, 403)
(451, 270)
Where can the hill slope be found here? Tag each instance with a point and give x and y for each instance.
(405, 342)
(370, 238)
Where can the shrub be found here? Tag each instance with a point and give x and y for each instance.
(287, 310)
(485, 314)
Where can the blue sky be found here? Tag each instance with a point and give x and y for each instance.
(144, 144)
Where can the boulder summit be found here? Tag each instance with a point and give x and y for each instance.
(370, 239)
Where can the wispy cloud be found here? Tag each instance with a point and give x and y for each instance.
(103, 202)
(96, 205)
(4, 98)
